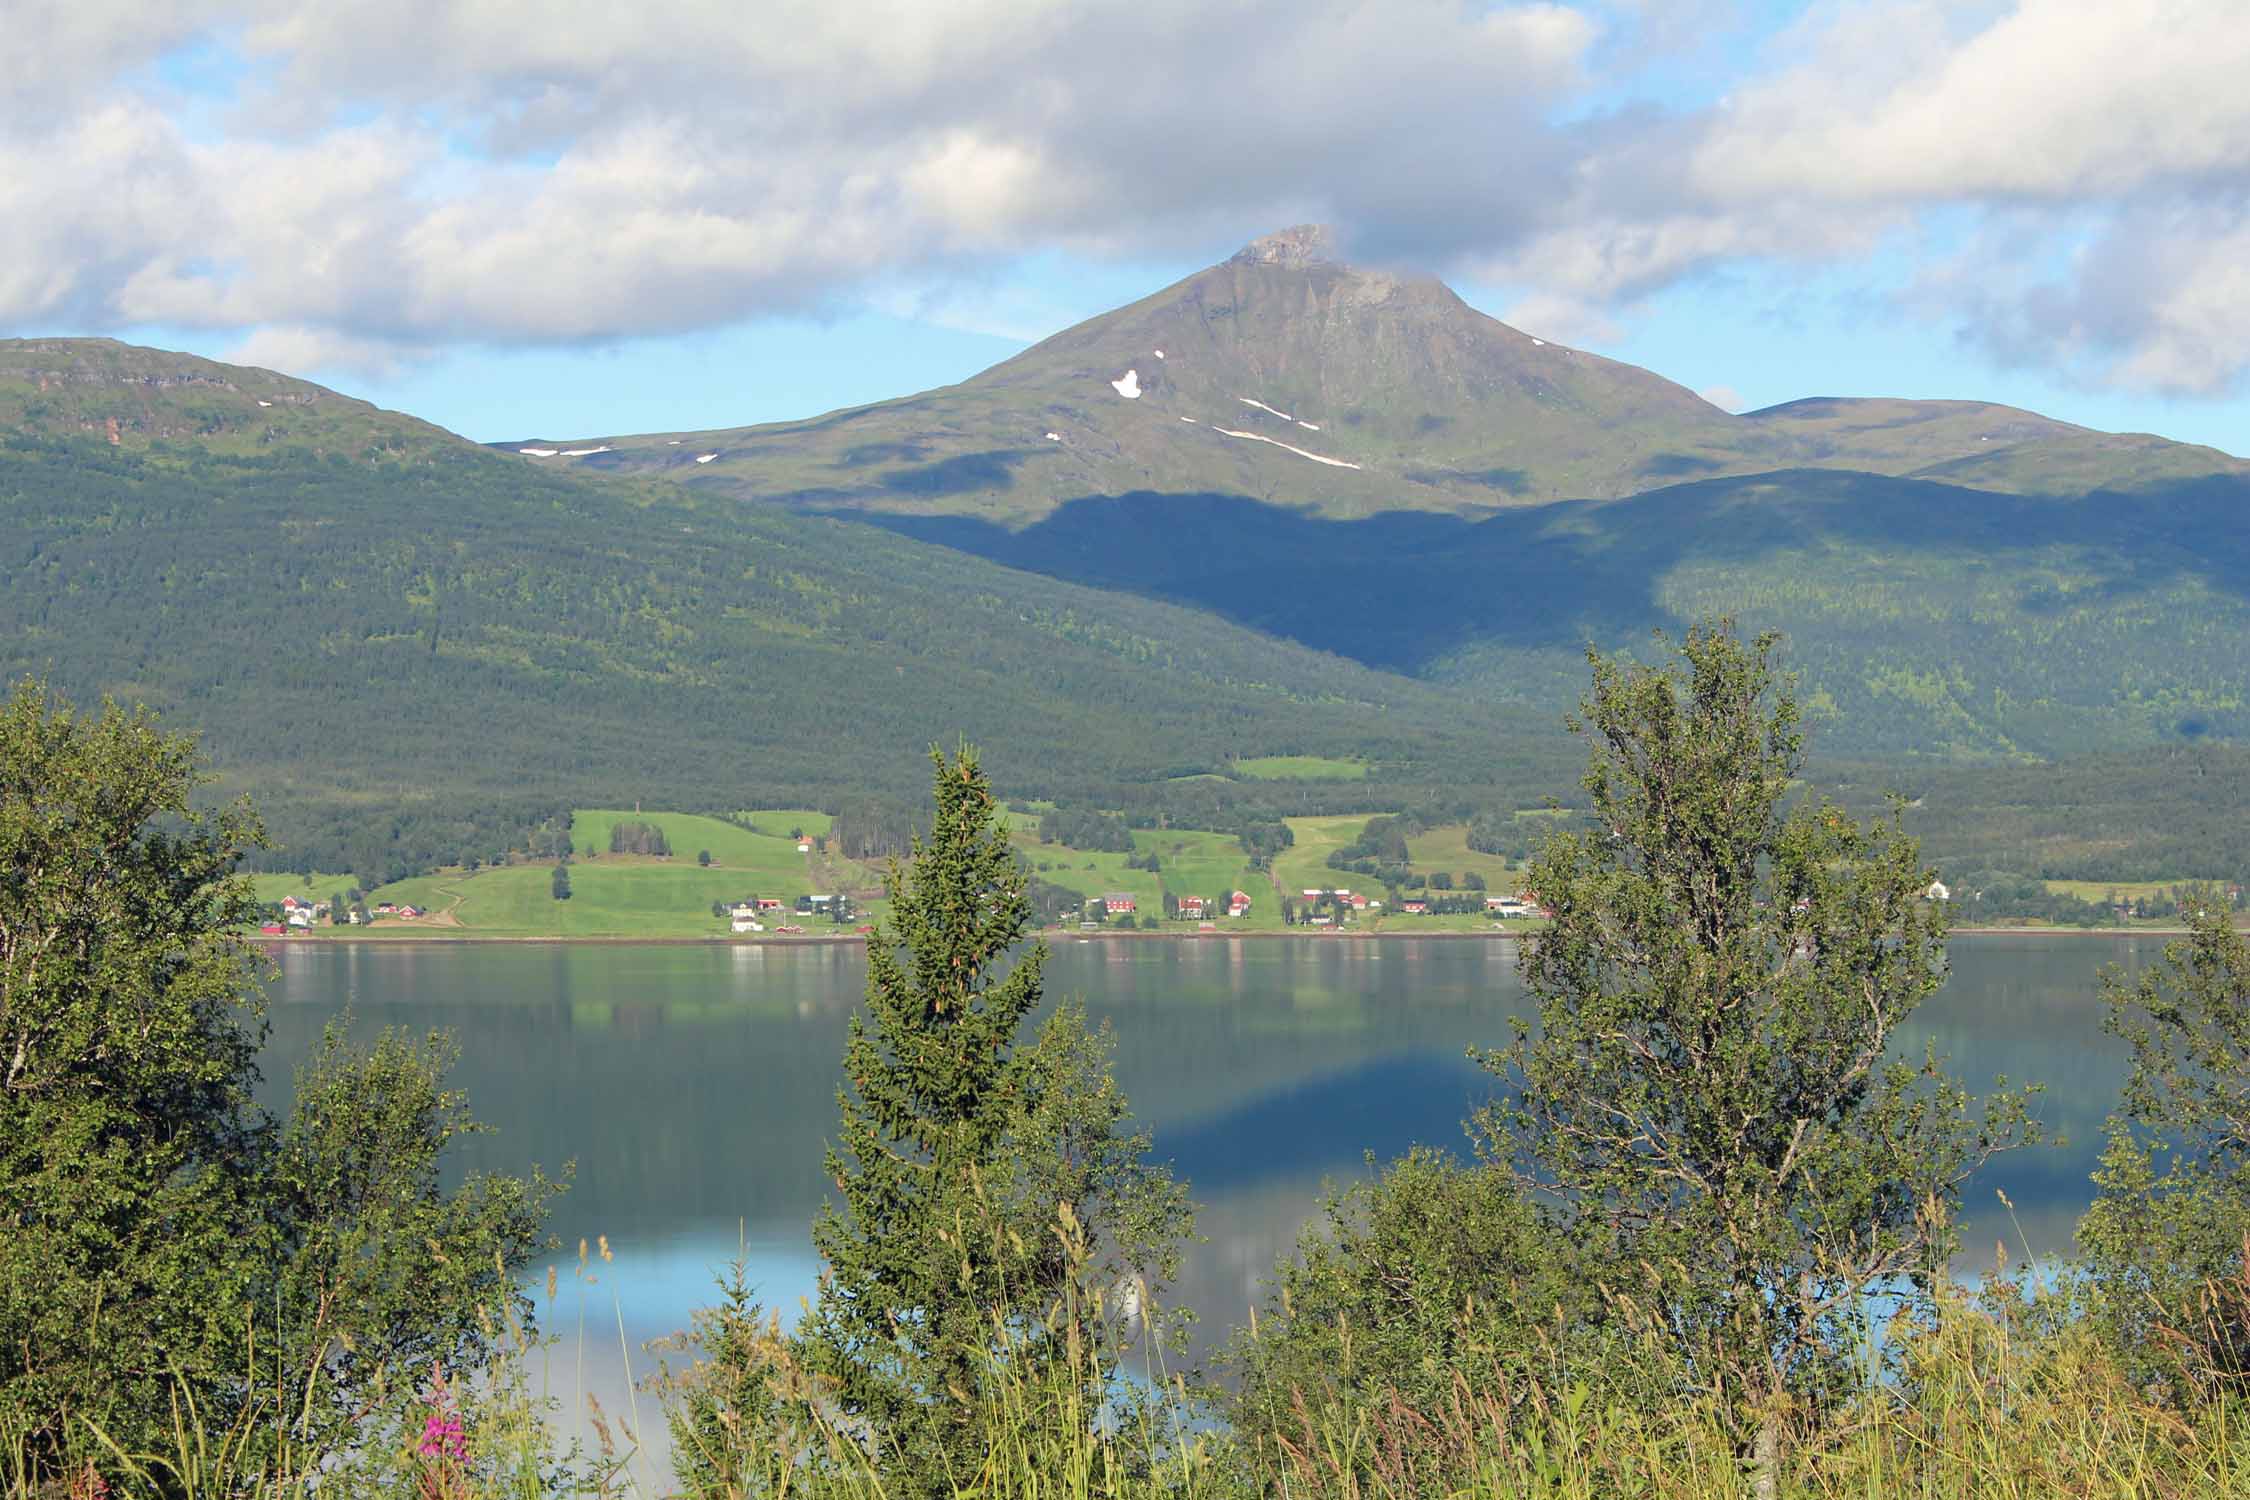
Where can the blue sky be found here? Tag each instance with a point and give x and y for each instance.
(517, 222)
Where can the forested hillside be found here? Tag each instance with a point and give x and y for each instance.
(1929, 621)
(414, 658)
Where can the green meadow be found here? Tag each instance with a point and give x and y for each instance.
(1300, 768)
(319, 887)
(1448, 849)
(631, 895)
(1304, 864)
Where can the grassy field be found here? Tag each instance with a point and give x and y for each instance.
(625, 895)
(630, 895)
(1304, 864)
(319, 887)
(1300, 768)
(1448, 849)
(1197, 863)
(780, 820)
(2102, 890)
(1092, 872)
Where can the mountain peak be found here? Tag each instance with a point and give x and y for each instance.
(1298, 245)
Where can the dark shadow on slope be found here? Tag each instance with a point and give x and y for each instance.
(1404, 589)
(964, 473)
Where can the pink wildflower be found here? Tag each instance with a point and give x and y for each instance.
(444, 1437)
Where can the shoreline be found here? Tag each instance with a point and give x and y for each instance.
(432, 937)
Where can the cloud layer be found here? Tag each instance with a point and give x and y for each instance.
(359, 181)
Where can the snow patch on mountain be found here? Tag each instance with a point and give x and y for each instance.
(1129, 387)
(1259, 437)
(1159, 353)
(1054, 437)
(706, 458)
(1246, 401)
(537, 452)
(1308, 426)
(584, 452)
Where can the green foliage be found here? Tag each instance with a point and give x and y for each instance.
(383, 1269)
(1706, 1097)
(633, 836)
(961, 1152)
(2171, 1218)
(129, 1023)
(164, 1246)
(558, 886)
(1084, 828)
(1408, 1283)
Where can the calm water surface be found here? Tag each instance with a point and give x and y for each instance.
(694, 1087)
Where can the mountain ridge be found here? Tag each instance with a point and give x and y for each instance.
(1284, 371)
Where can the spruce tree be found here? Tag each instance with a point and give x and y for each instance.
(983, 1183)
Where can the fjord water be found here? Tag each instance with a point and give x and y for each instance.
(694, 1085)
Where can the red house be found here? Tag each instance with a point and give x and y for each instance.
(1118, 905)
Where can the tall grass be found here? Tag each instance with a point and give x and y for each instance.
(1997, 1397)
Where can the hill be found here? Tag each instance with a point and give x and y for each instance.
(414, 650)
(1288, 376)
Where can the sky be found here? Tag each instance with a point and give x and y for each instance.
(575, 219)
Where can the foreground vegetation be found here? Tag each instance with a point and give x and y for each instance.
(1702, 1246)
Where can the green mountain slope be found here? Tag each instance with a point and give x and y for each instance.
(410, 647)
(1284, 375)
(1929, 620)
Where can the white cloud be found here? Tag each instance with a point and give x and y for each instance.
(375, 177)
(1724, 397)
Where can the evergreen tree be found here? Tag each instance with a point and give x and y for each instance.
(1706, 1100)
(962, 1155)
(559, 886)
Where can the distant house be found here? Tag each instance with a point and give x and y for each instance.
(384, 909)
(271, 929)
(804, 846)
(1322, 920)
(1238, 904)
(1312, 895)
(1206, 927)
(1357, 903)
(1191, 906)
(1414, 908)
(1938, 891)
(769, 903)
(1118, 904)
(1494, 903)
(409, 912)
(744, 922)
